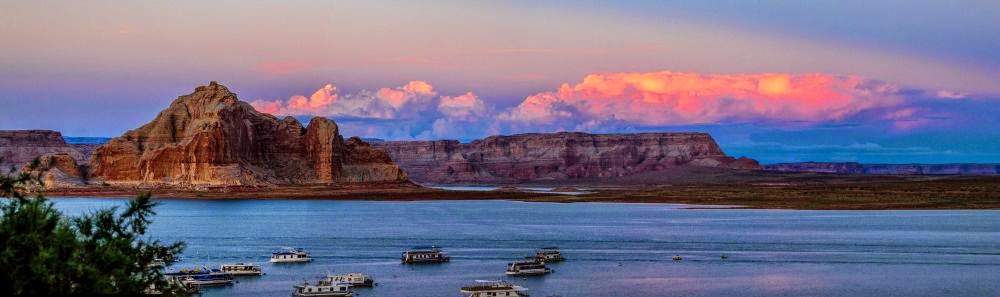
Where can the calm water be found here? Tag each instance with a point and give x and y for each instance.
(612, 249)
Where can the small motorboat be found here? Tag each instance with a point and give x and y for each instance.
(677, 258)
(201, 277)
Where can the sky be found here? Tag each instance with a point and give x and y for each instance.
(890, 81)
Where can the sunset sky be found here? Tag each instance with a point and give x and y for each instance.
(869, 81)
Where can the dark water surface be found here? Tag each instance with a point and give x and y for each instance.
(612, 249)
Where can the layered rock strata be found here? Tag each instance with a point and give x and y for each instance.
(211, 138)
(557, 156)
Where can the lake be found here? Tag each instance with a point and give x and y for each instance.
(611, 249)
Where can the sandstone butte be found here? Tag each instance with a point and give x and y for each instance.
(211, 138)
(558, 156)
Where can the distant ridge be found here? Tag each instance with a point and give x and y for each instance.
(559, 156)
(888, 169)
(86, 140)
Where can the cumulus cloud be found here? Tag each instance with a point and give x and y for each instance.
(614, 102)
(466, 107)
(415, 110)
(669, 98)
(384, 103)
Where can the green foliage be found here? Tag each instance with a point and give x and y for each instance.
(43, 252)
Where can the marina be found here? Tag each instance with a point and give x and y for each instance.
(610, 248)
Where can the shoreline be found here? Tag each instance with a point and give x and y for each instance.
(953, 193)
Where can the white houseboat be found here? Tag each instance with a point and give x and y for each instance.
(290, 255)
(353, 279)
(493, 289)
(239, 269)
(431, 254)
(549, 254)
(322, 289)
(527, 268)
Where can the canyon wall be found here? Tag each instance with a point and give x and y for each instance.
(211, 138)
(65, 162)
(556, 156)
(890, 169)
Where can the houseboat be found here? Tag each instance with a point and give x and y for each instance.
(353, 279)
(431, 254)
(290, 255)
(322, 289)
(201, 277)
(549, 254)
(239, 269)
(527, 268)
(493, 288)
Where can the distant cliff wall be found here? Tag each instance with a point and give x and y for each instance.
(18, 147)
(892, 169)
(556, 156)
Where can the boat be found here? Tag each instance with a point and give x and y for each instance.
(549, 254)
(152, 290)
(201, 277)
(239, 269)
(493, 288)
(527, 268)
(353, 279)
(430, 254)
(322, 289)
(677, 258)
(290, 255)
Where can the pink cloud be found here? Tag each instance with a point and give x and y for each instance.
(466, 107)
(669, 98)
(385, 103)
(284, 67)
(946, 94)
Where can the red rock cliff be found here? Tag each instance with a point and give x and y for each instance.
(556, 156)
(209, 137)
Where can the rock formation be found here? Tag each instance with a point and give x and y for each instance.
(556, 156)
(210, 138)
(890, 169)
(19, 147)
(59, 170)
